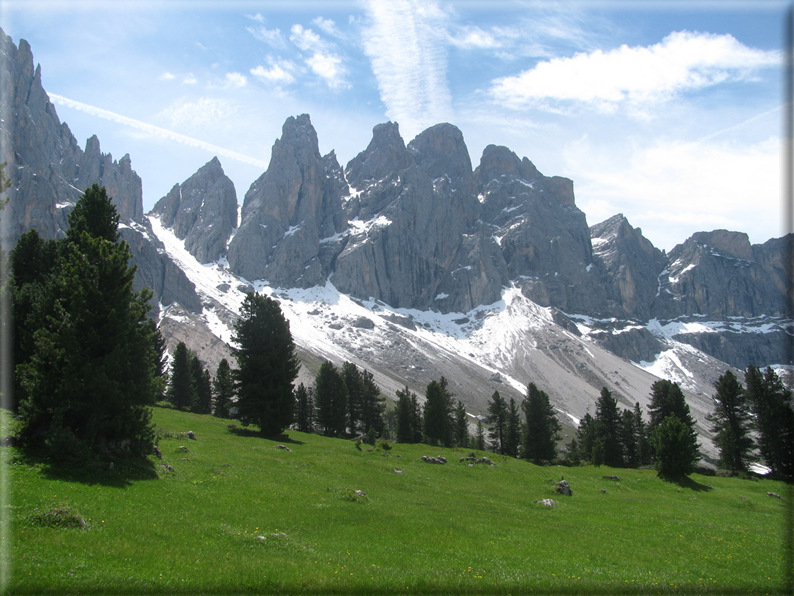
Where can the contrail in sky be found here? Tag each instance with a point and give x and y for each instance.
(155, 130)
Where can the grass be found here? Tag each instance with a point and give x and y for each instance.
(239, 515)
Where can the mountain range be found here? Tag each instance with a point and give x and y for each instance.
(414, 263)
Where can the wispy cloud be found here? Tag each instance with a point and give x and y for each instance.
(406, 42)
(167, 76)
(155, 130)
(272, 37)
(190, 79)
(235, 80)
(278, 73)
(682, 61)
(322, 60)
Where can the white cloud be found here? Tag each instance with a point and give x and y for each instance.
(329, 26)
(306, 39)
(155, 130)
(681, 61)
(272, 37)
(475, 38)
(675, 188)
(167, 76)
(329, 68)
(190, 79)
(235, 80)
(406, 42)
(279, 72)
(256, 17)
(197, 114)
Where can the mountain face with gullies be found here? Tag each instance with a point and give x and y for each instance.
(414, 263)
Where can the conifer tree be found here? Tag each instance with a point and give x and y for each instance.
(372, 404)
(770, 402)
(497, 418)
(641, 435)
(223, 388)
(676, 454)
(267, 365)
(667, 400)
(202, 387)
(406, 417)
(541, 426)
(479, 436)
(352, 377)
(731, 423)
(437, 422)
(461, 426)
(304, 409)
(181, 391)
(89, 375)
(607, 428)
(513, 430)
(330, 400)
(586, 435)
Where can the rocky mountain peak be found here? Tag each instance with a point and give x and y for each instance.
(498, 161)
(202, 211)
(385, 155)
(441, 152)
(732, 244)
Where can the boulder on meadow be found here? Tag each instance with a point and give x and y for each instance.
(564, 488)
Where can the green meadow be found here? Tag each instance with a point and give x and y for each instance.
(236, 514)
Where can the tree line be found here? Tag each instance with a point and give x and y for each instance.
(89, 363)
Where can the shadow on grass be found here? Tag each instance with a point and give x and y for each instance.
(687, 482)
(250, 432)
(125, 470)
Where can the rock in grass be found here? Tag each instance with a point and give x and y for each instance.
(777, 496)
(547, 502)
(564, 488)
(191, 435)
(284, 447)
(157, 452)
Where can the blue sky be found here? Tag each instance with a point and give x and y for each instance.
(667, 112)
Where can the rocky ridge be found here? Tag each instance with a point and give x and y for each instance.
(434, 254)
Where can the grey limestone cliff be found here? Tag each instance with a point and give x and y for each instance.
(202, 211)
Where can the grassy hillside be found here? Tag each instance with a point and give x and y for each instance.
(238, 514)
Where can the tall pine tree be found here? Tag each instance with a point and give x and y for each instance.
(304, 409)
(330, 399)
(438, 414)
(541, 426)
(731, 423)
(181, 391)
(267, 365)
(497, 418)
(89, 373)
(770, 402)
(223, 389)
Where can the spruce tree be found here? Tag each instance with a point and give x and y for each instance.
(304, 409)
(461, 426)
(406, 420)
(352, 376)
(372, 404)
(607, 428)
(202, 387)
(223, 388)
(479, 436)
(586, 435)
(731, 423)
(541, 426)
(267, 365)
(770, 403)
(667, 400)
(89, 376)
(513, 431)
(330, 400)
(497, 418)
(437, 421)
(676, 454)
(181, 391)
